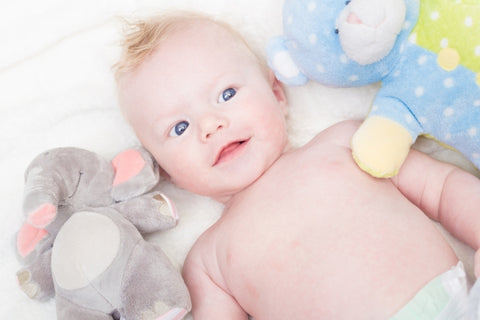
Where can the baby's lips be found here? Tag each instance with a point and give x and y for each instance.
(226, 149)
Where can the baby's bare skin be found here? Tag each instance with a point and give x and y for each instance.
(323, 241)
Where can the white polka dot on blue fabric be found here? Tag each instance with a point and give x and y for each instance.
(419, 91)
(353, 78)
(448, 112)
(422, 60)
(312, 6)
(320, 68)
(472, 132)
(449, 83)
(409, 118)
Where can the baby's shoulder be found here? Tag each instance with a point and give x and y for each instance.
(199, 254)
(206, 245)
(203, 259)
(338, 134)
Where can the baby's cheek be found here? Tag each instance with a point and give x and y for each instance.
(191, 180)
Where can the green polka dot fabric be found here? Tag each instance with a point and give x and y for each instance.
(444, 24)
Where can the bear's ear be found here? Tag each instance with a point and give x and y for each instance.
(136, 172)
(282, 63)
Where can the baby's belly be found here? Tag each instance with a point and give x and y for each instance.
(316, 254)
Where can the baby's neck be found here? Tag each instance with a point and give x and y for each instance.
(225, 200)
(228, 198)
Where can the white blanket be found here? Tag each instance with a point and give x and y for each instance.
(57, 89)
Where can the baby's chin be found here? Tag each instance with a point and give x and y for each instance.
(226, 194)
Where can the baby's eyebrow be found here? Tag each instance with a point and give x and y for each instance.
(162, 124)
(224, 76)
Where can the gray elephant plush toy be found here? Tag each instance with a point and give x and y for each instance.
(82, 240)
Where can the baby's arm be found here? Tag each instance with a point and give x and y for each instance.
(446, 194)
(209, 301)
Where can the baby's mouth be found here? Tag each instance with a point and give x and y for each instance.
(230, 151)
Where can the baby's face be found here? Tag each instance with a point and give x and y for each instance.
(211, 116)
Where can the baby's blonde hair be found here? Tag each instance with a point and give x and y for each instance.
(143, 36)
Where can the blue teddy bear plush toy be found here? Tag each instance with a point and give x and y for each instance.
(426, 53)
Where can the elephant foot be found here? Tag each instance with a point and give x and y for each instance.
(31, 288)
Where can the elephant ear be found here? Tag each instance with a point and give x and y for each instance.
(136, 172)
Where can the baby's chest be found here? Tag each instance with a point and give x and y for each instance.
(310, 211)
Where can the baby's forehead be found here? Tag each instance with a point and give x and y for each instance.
(206, 35)
(206, 30)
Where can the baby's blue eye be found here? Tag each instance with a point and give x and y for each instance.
(227, 94)
(179, 129)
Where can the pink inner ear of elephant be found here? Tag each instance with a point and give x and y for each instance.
(28, 237)
(127, 165)
(43, 215)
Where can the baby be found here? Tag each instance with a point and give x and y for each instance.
(304, 234)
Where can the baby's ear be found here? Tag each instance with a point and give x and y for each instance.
(278, 91)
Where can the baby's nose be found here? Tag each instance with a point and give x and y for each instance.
(211, 124)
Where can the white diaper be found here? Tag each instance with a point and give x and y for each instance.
(473, 312)
(443, 298)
